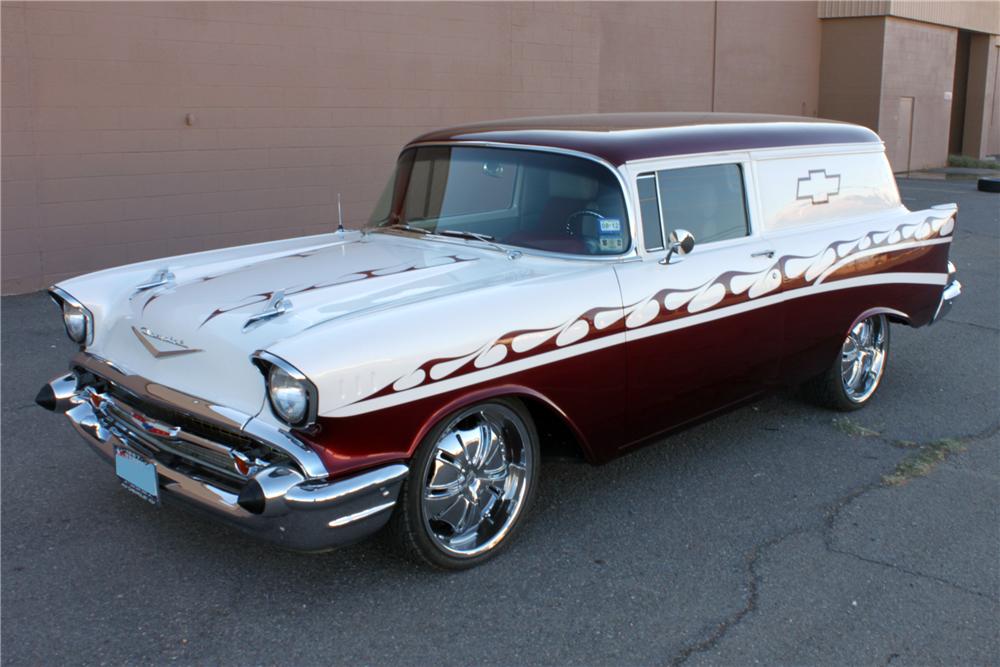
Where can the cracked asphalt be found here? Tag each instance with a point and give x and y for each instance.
(765, 536)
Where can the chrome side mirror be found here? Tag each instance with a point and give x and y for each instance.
(681, 241)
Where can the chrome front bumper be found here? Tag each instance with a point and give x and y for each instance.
(951, 291)
(278, 503)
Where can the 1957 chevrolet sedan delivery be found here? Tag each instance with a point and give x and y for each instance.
(606, 279)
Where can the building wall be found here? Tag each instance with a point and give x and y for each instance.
(851, 70)
(918, 62)
(979, 15)
(981, 135)
(768, 58)
(656, 57)
(142, 129)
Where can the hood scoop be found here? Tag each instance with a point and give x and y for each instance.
(276, 306)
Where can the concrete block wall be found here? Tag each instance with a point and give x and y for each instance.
(907, 71)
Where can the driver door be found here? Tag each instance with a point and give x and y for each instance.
(703, 331)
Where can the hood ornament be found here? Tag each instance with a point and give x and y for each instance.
(159, 279)
(145, 337)
(276, 306)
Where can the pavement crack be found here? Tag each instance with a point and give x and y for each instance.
(913, 573)
(971, 324)
(753, 593)
(824, 527)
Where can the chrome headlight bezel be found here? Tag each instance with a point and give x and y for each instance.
(267, 363)
(71, 306)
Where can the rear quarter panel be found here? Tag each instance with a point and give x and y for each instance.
(846, 247)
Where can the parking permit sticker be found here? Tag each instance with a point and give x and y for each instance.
(611, 226)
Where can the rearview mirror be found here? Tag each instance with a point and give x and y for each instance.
(681, 241)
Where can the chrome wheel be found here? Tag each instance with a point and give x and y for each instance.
(476, 480)
(863, 358)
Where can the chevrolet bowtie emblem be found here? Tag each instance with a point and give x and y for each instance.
(818, 186)
(146, 337)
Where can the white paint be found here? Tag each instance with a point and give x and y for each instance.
(587, 347)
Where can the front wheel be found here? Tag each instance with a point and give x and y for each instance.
(471, 482)
(857, 372)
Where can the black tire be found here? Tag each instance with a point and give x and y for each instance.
(989, 184)
(407, 527)
(827, 389)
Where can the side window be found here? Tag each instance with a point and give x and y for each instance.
(649, 210)
(707, 201)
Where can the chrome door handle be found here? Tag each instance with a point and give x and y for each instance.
(764, 253)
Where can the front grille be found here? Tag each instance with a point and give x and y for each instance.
(181, 440)
(238, 441)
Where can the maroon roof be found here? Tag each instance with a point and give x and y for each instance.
(619, 138)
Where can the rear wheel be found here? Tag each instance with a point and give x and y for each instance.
(856, 374)
(471, 482)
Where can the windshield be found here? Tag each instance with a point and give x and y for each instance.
(532, 199)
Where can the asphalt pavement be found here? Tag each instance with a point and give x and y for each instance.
(777, 534)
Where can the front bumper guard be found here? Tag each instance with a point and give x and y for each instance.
(278, 504)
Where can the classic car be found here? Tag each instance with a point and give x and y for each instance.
(597, 281)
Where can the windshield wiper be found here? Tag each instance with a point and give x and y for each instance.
(476, 236)
(405, 227)
(462, 234)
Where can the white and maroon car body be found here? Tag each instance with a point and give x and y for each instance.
(397, 330)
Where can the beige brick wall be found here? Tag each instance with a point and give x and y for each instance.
(768, 58)
(918, 62)
(293, 102)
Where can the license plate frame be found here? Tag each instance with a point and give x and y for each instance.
(137, 475)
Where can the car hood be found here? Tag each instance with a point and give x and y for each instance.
(194, 334)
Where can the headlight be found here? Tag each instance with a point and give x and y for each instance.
(288, 396)
(291, 395)
(78, 320)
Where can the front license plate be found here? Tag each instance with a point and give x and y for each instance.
(137, 475)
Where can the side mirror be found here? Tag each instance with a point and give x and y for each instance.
(681, 241)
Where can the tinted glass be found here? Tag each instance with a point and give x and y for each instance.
(707, 201)
(525, 198)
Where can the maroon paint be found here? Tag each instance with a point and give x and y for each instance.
(589, 390)
(672, 379)
(657, 134)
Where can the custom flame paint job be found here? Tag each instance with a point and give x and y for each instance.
(396, 332)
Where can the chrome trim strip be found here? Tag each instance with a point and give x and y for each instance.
(629, 254)
(306, 496)
(227, 418)
(363, 514)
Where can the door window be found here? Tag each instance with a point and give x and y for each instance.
(708, 201)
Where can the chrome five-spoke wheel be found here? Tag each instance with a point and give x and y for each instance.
(862, 358)
(470, 483)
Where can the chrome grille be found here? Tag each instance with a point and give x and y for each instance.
(169, 436)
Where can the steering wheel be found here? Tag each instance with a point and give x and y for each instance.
(574, 228)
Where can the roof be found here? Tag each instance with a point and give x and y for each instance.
(620, 138)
